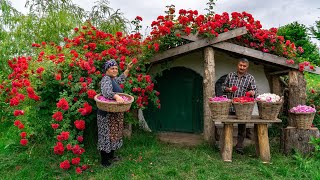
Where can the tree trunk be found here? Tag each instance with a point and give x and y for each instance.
(298, 139)
(297, 92)
(208, 91)
(276, 85)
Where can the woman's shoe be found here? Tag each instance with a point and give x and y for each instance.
(105, 159)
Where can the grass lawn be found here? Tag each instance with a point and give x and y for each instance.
(144, 157)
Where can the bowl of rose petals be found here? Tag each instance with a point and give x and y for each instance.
(302, 116)
(243, 107)
(269, 105)
(111, 105)
(219, 107)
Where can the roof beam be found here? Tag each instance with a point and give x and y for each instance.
(259, 55)
(199, 43)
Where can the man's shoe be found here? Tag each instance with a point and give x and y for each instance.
(116, 159)
(240, 151)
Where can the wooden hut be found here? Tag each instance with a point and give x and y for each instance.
(189, 74)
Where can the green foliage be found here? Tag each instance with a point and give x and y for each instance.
(313, 96)
(315, 30)
(316, 142)
(298, 33)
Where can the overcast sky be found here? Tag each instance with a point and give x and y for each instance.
(271, 13)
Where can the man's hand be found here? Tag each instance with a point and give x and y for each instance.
(250, 93)
(234, 88)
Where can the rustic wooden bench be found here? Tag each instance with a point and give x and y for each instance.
(260, 134)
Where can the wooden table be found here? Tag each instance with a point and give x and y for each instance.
(260, 134)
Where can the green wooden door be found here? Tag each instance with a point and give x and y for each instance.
(181, 102)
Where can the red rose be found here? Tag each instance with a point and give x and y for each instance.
(80, 139)
(23, 135)
(24, 142)
(234, 88)
(18, 112)
(58, 148)
(65, 165)
(54, 126)
(80, 124)
(75, 161)
(78, 170)
(21, 126)
(17, 122)
(63, 104)
(57, 116)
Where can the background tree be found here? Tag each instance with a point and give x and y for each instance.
(298, 33)
(316, 30)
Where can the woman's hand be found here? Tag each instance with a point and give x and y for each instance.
(129, 66)
(118, 99)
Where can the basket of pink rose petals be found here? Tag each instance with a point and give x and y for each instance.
(219, 107)
(111, 105)
(303, 115)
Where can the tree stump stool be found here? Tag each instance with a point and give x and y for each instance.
(298, 139)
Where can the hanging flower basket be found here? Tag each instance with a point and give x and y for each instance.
(111, 105)
(243, 107)
(219, 107)
(269, 106)
(303, 116)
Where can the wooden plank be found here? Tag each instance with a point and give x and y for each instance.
(192, 37)
(226, 35)
(208, 91)
(198, 44)
(259, 55)
(279, 72)
(254, 119)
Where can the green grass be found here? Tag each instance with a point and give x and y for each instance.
(144, 157)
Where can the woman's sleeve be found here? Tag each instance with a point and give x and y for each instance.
(106, 87)
(121, 79)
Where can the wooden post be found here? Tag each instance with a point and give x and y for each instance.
(297, 91)
(263, 141)
(298, 139)
(276, 85)
(227, 144)
(256, 140)
(208, 91)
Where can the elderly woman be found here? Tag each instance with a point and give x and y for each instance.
(110, 125)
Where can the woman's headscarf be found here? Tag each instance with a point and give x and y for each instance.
(109, 64)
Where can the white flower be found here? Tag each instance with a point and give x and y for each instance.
(268, 97)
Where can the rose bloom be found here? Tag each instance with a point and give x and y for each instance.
(65, 165)
(54, 126)
(23, 135)
(75, 161)
(80, 139)
(24, 142)
(78, 170)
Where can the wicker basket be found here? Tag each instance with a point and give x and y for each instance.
(243, 110)
(269, 110)
(219, 110)
(302, 120)
(114, 106)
